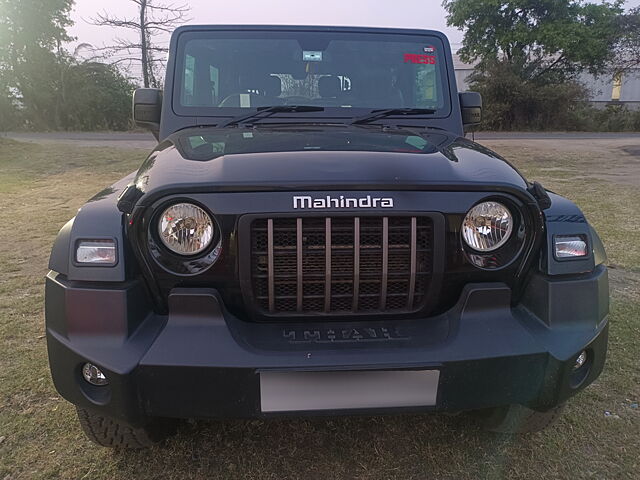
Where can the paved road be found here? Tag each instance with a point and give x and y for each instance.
(89, 139)
(555, 135)
(146, 140)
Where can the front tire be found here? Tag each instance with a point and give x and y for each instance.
(107, 432)
(518, 419)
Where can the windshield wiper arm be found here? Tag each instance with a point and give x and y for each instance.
(264, 112)
(388, 112)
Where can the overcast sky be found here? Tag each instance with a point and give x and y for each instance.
(381, 13)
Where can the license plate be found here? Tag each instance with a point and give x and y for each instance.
(344, 390)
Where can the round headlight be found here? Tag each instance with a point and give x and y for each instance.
(185, 229)
(487, 226)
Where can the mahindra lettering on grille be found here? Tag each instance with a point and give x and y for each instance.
(307, 202)
(341, 265)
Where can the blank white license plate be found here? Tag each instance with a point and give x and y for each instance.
(343, 390)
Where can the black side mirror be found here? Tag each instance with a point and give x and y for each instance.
(147, 106)
(471, 107)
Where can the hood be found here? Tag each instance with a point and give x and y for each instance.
(320, 158)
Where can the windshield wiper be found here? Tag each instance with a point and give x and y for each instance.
(388, 112)
(264, 112)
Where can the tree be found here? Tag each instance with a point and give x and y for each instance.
(513, 104)
(153, 18)
(530, 53)
(31, 36)
(42, 86)
(627, 51)
(96, 96)
(559, 37)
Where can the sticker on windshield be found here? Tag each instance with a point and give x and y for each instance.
(429, 49)
(311, 56)
(418, 58)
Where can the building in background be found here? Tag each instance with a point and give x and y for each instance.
(604, 90)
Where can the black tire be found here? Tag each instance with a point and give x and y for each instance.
(111, 433)
(518, 419)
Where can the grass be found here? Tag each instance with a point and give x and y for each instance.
(41, 186)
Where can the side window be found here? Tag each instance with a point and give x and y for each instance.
(189, 80)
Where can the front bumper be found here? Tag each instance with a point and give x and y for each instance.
(201, 361)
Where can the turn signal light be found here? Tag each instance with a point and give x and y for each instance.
(570, 246)
(96, 252)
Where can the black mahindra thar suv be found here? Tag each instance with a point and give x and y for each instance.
(313, 234)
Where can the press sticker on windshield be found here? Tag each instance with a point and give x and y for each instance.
(419, 58)
(311, 56)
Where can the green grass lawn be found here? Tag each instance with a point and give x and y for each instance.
(41, 187)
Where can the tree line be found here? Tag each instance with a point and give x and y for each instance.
(43, 86)
(528, 54)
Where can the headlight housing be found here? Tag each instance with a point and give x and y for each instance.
(185, 229)
(487, 226)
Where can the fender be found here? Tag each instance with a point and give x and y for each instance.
(564, 217)
(99, 218)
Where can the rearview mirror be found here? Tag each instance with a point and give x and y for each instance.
(147, 106)
(471, 108)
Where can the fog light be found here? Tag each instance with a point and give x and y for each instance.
(581, 360)
(94, 375)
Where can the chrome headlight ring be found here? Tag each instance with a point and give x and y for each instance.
(487, 226)
(186, 229)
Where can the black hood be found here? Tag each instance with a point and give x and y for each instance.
(320, 158)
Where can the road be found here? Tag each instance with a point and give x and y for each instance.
(556, 135)
(146, 140)
(88, 139)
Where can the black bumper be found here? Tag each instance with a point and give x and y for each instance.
(201, 361)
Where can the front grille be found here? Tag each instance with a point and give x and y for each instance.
(340, 265)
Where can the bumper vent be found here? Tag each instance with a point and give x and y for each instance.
(340, 265)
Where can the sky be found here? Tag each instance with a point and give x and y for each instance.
(373, 13)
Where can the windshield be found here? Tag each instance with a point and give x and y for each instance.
(219, 71)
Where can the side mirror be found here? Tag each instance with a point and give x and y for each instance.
(147, 106)
(471, 107)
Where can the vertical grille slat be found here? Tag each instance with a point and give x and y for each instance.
(270, 265)
(340, 265)
(356, 263)
(385, 262)
(413, 260)
(327, 264)
(299, 280)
